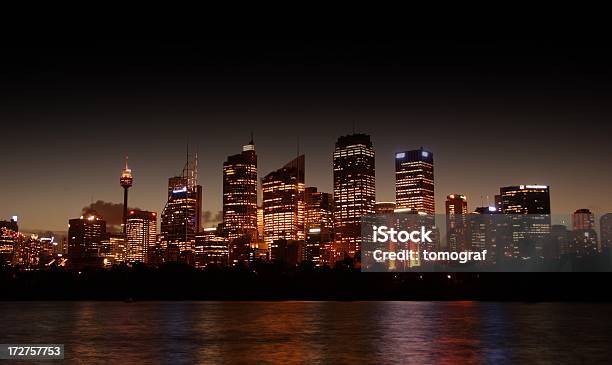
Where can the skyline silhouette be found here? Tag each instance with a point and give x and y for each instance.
(494, 114)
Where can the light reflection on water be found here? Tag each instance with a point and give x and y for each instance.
(314, 332)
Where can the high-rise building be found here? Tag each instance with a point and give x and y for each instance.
(382, 208)
(319, 210)
(319, 223)
(488, 229)
(605, 228)
(284, 204)
(354, 189)
(180, 219)
(85, 235)
(9, 236)
(114, 249)
(525, 199)
(457, 236)
(583, 219)
(414, 181)
(126, 180)
(584, 235)
(529, 209)
(260, 224)
(240, 200)
(560, 242)
(141, 233)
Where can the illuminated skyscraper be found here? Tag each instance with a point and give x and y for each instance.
(354, 189)
(584, 235)
(414, 181)
(529, 207)
(260, 224)
(319, 210)
(9, 234)
(85, 235)
(180, 220)
(605, 228)
(488, 230)
(319, 223)
(141, 231)
(283, 203)
(240, 198)
(457, 236)
(126, 182)
(525, 199)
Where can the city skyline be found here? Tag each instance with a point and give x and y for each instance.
(473, 201)
(494, 114)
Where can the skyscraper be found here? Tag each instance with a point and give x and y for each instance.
(319, 223)
(141, 232)
(283, 203)
(584, 235)
(456, 223)
(414, 181)
(354, 189)
(84, 240)
(529, 207)
(240, 198)
(126, 182)
(525, 199)
(487, 228)
(605, 228)
(9, 234)
(180, 220)
(319, 210)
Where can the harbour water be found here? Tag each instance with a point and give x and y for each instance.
(315, 332)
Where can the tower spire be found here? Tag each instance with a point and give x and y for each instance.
(126, 182)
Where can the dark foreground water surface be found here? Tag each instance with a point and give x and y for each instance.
(315, 332)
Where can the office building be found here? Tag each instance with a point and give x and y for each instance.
(141, 233)
(457, 235)
(605, 227)
(414, 181)
(584, 234)
(284, 203)
(85, 235)
(180, 219)
(354, 189)
(529, 208)
(240, 194)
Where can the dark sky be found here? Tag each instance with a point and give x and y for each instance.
(494, 114)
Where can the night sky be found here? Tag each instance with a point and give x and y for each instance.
(494, 114)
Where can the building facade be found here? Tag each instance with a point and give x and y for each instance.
(141, 233)
(605, 228)
(457, 230)
(354, 189)
(284, 204)
(584, 242)
(414, 181)
(180, 219)
(85, 235)
(240, 200)
(529, 209)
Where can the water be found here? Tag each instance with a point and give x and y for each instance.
(315, 332)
